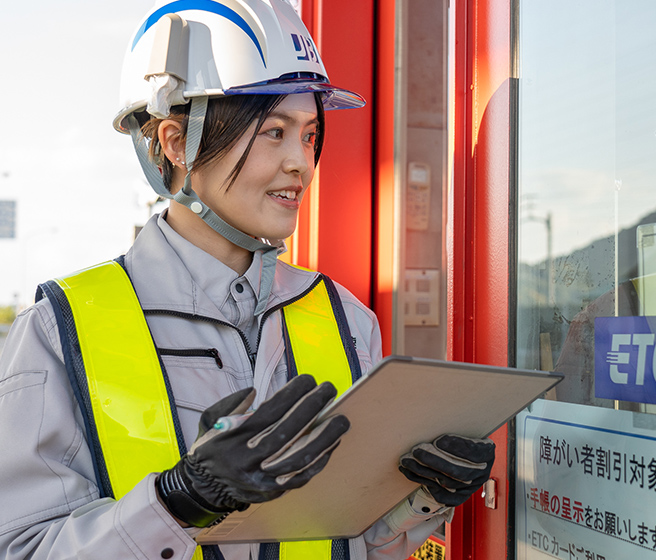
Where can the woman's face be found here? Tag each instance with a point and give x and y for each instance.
(265, 198)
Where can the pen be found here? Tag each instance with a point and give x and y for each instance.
(226, 423)
(223, 424)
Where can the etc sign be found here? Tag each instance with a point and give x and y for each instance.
(625, 358)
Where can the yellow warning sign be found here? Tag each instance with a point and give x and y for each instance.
(432, 549)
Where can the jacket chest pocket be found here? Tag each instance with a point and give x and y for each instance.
(198, 378)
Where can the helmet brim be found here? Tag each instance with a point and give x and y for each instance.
(332, 96)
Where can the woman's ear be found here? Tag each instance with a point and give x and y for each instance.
(171, 142)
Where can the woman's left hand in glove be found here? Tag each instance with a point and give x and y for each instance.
(451, 468)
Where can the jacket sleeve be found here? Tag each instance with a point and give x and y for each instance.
(406, 528)
(50, 501)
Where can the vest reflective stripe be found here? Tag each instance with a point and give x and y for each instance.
(316, 342)
(318, 349)
(132, 413)
(305, 550)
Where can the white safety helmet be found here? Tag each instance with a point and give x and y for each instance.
(186, 51)
(221, 47)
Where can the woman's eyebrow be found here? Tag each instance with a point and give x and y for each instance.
(288, 118)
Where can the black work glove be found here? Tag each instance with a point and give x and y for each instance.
(271, 452)
(451, 468)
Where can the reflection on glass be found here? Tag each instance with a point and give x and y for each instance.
(587, 152)
(586, 272)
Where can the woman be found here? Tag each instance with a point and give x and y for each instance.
(91, 376)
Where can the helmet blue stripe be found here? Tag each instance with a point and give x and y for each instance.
(202, 5)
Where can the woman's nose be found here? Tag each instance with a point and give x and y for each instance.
(299, 158)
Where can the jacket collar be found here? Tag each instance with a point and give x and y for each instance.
(170, 273)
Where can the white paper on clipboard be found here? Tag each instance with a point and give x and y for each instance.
(403, 401)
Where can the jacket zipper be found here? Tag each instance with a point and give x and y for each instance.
(251, 355)
(194, 352)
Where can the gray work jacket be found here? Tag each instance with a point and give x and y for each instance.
(49, 500)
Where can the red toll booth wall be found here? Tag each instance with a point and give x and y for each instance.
(384, 208)
(479, 258)
(335, 231)
(346, 225)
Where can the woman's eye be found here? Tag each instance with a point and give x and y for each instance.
(310, 137)
(275, 132)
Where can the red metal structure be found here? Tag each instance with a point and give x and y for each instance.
(480, 255)
(347, 225)
(335, 227)
(384, 199)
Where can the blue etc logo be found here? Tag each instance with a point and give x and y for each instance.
(304, 48)
(625, 358)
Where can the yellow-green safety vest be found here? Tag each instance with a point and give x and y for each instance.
(131, 419)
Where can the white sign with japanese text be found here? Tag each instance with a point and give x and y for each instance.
(586, 483)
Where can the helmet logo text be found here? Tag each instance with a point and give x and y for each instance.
(304, 48)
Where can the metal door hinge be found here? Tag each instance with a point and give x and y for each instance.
(489, 494)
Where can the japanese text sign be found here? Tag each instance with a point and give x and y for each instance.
(586, 483)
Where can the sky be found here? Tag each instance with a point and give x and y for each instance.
(77, 182)
(587, 129)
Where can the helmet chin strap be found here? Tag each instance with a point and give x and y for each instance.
(187, 197)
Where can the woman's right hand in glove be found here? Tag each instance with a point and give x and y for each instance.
(273, 451)
(451, 468)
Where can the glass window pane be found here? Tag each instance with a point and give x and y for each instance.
(586, 278)
(587, 179)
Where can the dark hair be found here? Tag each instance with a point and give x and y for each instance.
(226, 121)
